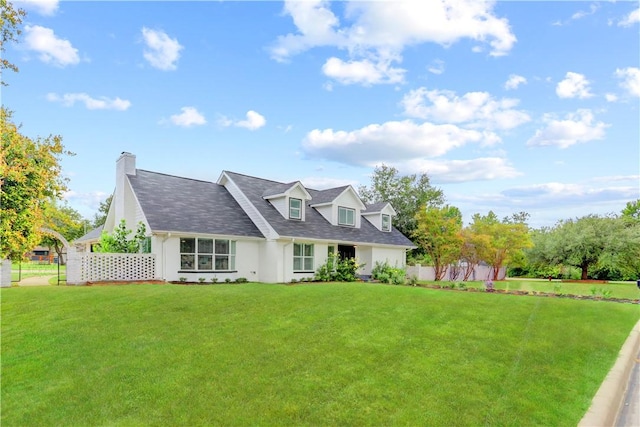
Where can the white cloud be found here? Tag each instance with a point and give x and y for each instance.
(476, 109)
(576, 128)
(611, 97)
(632, 18)
(593, 7)
(563, 194)
(162, 51)
(574, 85)
(42, 7)
(378, 32)
(253, 121)
(51, 49)
(391, 142)
(456, 171)
(90, 201)
(514, 81)
(436, 67)
(189, 117)
(363, 72)
(630, 79)
(101, 103)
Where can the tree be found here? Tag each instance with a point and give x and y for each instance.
(66, 221)
(118, 242)
(101, 217)
(590, 242)
(632, 210)
(438, 233)
(10, 20)
(30, 176)
(407, 194)
(497, 242)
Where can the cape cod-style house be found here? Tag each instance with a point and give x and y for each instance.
(243, 226)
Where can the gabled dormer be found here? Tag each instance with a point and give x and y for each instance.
(288, 199)
(340, 206)
(380, 215)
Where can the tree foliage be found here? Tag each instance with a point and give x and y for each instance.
(497, 242)
(65, 220)
(10, 20)
(407, 194)
(590, 243)
(103, 210)
(632, 210)
(30, 174)
(119, 241)
(438, 233)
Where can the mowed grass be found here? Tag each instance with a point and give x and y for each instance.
(330, 354)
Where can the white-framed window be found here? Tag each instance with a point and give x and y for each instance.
(199, 254)
(295, 208)
(302, 257)
(346, 216)
(386, 222)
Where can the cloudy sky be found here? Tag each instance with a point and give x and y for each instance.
(507, 106)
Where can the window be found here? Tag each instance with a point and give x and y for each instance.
(346, 216)
(386, 222)
(302, 257)
(295, 208)
(210, 254)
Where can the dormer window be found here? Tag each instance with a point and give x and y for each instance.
(346, 216)
(295, 208)
(386, 222)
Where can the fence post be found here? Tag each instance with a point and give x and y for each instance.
(5, 273)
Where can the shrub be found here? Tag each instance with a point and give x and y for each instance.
(182, 279)
(214, 279)
(338, 270)
(227, 280)
(201, 279)
(384, 273)
(241, 280)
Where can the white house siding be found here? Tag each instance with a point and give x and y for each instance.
(395, 257)
(270, 262)
(364, 255)
(168, 252)
(280, 203)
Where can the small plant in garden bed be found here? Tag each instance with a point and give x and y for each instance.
(214, 280)
(241, 280)
(227, 280)
(182, 279)
(202, 279)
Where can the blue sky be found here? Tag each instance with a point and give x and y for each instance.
(507, 106)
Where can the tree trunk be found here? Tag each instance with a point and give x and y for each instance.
(585, 268)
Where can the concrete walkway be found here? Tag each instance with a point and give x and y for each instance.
(36, 281)
(617, 402)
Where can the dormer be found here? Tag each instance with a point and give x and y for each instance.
(288, 199)
(340, 206)
(380, 215)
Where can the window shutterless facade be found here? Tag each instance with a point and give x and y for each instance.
(346, 216)
(295, 208)
(302, 257)
(386, 222)
(198, 254)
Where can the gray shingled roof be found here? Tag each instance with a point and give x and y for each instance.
(278, 188)
(315, 226)
(91, 235)
(376, 207)
(327, 196)
(171, 203)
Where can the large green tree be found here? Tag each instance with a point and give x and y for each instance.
(497, 241)
(30, 176)
(632, 210)
(103, 210)
(589, 243)
(438, 233)
(10, 20)
(407, 194)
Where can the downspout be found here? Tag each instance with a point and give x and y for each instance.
(164, 257)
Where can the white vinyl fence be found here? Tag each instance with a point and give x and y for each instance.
(455, 274)
(104, 267)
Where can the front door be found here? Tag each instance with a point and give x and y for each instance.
(346, 251)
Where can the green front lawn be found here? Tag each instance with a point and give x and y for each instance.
(329, 354)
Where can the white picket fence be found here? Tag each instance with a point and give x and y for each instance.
(105, 267)
(427, 273)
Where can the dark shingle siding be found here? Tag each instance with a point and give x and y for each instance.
(186, 205)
